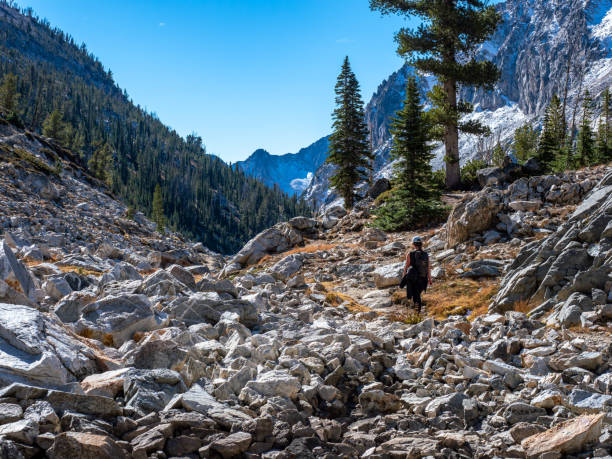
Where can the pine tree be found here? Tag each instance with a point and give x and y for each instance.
(55, 127)
(553, 133)
(525, 142)
(443, 45)
(349, 149)
(413, 199)
(585, 147)
(499, 155)
(604, 137)
(101, 163)
(8, 93)
(159, 217)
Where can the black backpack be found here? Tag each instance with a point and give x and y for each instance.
(420, 260)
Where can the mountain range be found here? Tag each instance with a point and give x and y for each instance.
(291, 172)
(534, 46)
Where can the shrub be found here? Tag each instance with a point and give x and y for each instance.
(398, 215)
(469, 177)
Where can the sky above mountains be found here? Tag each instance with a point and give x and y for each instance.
(243, 74)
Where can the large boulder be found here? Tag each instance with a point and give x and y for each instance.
(287, 267)
(388, 275)
(162, 283)
(275, 383)
(277, 239)
(379, 187)
(85, 446)
(475, 213)
(146, 391)
(565, 438)
(114, 319)
(34, 348)
(207, 307)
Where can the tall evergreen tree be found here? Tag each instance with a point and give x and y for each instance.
(443, 45)
(585, 147)
(101, 163)
(349, 149)
(604, 136)
(8, 93)
(525, 142)
(553, 133)
(55, 127)
(413, 199)
(159, 217)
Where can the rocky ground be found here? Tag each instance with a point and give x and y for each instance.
(116, 342)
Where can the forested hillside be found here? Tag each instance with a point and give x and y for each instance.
(61, 90)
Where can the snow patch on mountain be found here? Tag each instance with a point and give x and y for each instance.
(299, 185)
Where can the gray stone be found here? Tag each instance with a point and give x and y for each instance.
(287, 267)
(582, 401)
(24, 431)
(275, 383)
(233, 445)
(10, 412)
(57, 288)
(522, 412)
(13, 272)
(182, 275)
(452, 403)
(114, 319)
(34, 347)
(147, 391)
(388, 275)
(208, 307)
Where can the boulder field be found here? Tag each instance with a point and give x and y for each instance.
(117, 342)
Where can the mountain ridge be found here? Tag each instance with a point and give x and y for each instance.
(292, 171)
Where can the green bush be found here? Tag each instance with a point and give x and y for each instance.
(396, 214)
(469, 178)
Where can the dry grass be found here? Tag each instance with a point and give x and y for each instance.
(14, 284)
(407, 318)
(312, 248)
(336, 298)
(458, 296)
(522, 306)
(79, 270)
(31, 263)
(198, 277)
(86, 333)
(107, 340)
(138, 336)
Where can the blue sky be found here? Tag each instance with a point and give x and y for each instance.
(244, 74)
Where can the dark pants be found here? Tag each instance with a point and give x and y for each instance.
(414, 290)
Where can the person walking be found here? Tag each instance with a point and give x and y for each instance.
(418, 260)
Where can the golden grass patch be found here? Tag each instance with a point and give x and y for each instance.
(458, 296)
(407, 317)
(79, 270)
(336, 299)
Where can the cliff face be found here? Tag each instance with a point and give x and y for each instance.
(533, 47)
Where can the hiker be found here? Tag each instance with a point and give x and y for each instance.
(420, 274)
